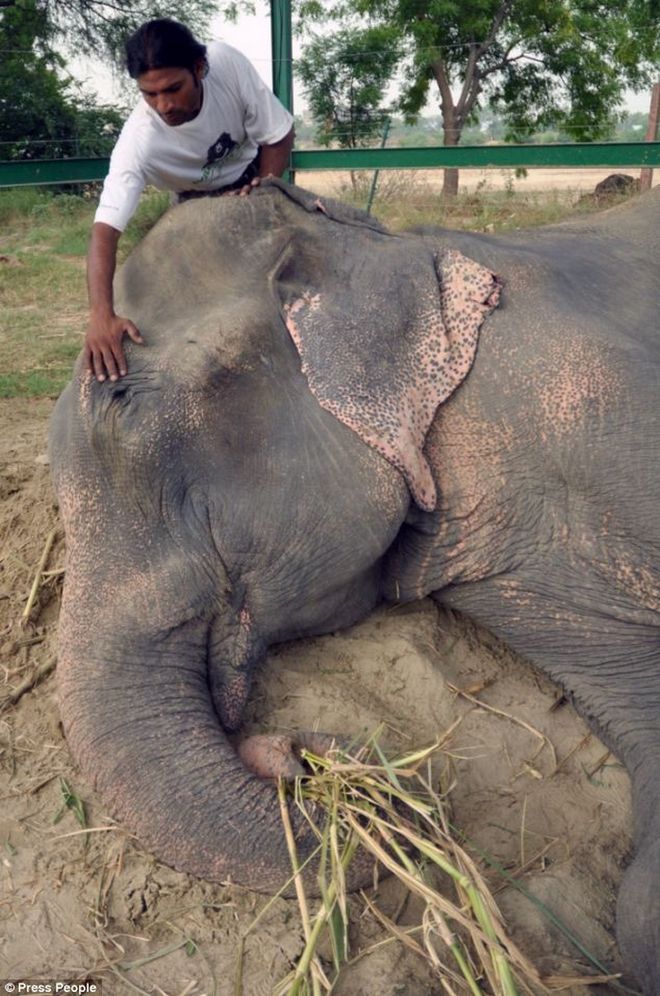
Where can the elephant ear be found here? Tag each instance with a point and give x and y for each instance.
(386, 329)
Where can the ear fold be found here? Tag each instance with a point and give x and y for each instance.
(386, 330)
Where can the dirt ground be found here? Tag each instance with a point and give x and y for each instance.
(78, 906)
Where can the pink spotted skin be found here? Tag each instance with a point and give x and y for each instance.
(326, 415)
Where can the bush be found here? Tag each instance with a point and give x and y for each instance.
(22, 202)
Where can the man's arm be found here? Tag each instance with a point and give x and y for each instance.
(103, 344)
(274, 159)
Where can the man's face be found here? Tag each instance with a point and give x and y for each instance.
(175, 94)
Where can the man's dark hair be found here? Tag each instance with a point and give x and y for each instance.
(162, 44)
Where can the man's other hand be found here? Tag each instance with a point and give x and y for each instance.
(244, 191)
(104, 354)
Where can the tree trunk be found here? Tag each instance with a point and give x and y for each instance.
(452, 120)
(450, 185)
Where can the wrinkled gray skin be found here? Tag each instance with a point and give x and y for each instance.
(212, 509)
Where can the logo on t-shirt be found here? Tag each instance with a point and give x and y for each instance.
(222, 151)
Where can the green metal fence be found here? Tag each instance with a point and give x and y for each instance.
(595, 154)
(608, 155)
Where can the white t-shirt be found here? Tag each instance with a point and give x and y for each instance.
(238, 114)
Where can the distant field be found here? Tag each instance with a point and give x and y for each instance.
(577, 180)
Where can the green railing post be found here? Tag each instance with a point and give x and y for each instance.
(374, 179)
(280, 12)
(281, 47)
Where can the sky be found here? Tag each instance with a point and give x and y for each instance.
(251, 35)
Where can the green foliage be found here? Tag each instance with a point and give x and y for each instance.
(541, 63)
(345, 85)
(20, 202)
(153, 204)
(487, 128)
(35, 384)
(38, 216)
(71, 800)
(99, 27)
(42, 114)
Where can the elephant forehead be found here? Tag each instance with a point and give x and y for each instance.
(201, 278)
(203, 327)
(228, 337)
(201, 284)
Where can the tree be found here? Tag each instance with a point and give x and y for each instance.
(99, 27)
(538, 62)
(43, 114)
(345, 85)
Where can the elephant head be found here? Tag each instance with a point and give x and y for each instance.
(206, 495)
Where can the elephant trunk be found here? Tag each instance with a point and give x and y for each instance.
(145, 731)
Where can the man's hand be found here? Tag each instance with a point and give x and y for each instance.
(243, 191)
(273, 160)
(104, 354)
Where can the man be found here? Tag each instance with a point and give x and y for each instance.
(207, 125)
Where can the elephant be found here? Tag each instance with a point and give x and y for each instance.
(326, 416)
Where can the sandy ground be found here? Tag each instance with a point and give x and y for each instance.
(98, 906)
(578, 180)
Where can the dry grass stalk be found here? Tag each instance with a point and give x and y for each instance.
(544, 741)
(28, 683)
(313, 964)
(41, 566)
(566, 982)
(392, 810)
(240, 954)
